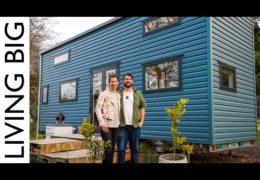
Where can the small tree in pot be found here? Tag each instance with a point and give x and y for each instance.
(178, 142)
(93, 144)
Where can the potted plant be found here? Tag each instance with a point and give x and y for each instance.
(178, 142)
(147, 154)
(143, 150)
(93, 143)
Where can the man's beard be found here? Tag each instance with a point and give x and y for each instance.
(128, 86)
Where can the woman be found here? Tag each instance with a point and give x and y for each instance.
(107, 111)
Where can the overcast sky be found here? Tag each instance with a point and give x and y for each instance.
(67, 27)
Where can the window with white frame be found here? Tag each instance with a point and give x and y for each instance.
(68, 90)
(162, 75)
(62, 58)
(159, 23)
(227, 77)
(45, 94)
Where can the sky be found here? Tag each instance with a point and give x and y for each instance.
(67, 27)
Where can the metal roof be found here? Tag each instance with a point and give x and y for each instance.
(82, 34)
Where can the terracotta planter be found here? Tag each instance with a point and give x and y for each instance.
(168, 158)
(141, 158)
(127, 156)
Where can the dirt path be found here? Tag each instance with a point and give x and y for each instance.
(241, 155)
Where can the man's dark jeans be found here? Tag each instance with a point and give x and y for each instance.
(112, 135)
(131, 135)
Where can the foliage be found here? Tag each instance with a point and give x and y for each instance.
(258, 128)
(39, 34)
(36, 160)
(257, 52)
(257, 33)
(148, 153)
(40, 136)
(33, 121)
(143, 148)
(257, 71)
(175, 113)
(31, 127)
(150, 156)
(92, 143)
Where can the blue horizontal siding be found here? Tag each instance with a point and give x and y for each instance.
(123, 41)
(234, 113)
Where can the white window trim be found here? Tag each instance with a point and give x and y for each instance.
(61, 58)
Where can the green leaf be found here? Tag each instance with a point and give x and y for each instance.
(175, 113)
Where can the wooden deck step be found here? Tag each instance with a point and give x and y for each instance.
(44, 146)
(69, 136)
(76, 156)
(96, 137)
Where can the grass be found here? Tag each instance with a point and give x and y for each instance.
(258, 128)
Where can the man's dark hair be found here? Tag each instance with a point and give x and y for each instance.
(128, 74)
(112, 75)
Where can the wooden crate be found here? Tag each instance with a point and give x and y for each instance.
(44, 146)
(76, 156)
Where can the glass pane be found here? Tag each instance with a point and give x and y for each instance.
(68, 91)
(227, 77)
(97, 83)
(108, 72)
(61, 58)
(159, 23)
(97, 88)
(45, 95)
(163, 75)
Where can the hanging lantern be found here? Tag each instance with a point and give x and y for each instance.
(159, 146)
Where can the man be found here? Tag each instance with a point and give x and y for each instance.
(108, 113)
(131, 119)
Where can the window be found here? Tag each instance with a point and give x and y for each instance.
(61, 58)
(162, 75)
(227, 77)
(159, 23)
(68, 90)
(45, 94)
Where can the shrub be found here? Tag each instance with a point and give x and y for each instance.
(93, 144)
(178, 142)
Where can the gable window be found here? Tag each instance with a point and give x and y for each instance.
(45, 94)
(162, 75)
(159, 23)
(62, 58)
(227, 77)
(68, 90)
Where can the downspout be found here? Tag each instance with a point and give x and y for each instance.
(39, 98)
(210, 65)
(253, 42)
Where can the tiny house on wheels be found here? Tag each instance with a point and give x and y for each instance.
(208, 60)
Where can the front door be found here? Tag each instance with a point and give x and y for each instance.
(99, 77)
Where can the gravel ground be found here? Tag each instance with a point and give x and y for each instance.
(241, 155)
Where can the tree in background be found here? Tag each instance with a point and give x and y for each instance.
(39, 34)
(257, 50)
(257, 56)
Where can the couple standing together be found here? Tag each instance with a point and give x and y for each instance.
(121, 116)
